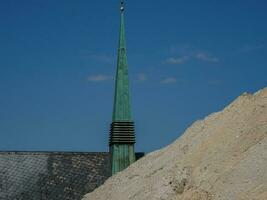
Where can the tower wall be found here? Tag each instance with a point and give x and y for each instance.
(123, 156)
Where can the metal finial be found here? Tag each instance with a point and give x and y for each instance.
(122, 6)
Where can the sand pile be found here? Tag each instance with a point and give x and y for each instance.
(223, 156)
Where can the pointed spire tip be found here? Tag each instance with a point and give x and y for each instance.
(122, 8)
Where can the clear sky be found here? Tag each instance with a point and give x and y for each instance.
(186, 59)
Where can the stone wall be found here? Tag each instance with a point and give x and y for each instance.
(51, 175)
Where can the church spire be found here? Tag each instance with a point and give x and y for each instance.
(122, 137)
(122, 110)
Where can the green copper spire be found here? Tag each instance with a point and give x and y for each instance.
(122, 137)
(122, 109)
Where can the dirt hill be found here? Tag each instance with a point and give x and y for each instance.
(221, 157)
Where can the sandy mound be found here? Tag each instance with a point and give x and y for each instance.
(223, 156)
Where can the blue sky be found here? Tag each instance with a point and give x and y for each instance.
(186, 59)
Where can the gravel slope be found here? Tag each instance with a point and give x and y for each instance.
(221, 157)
